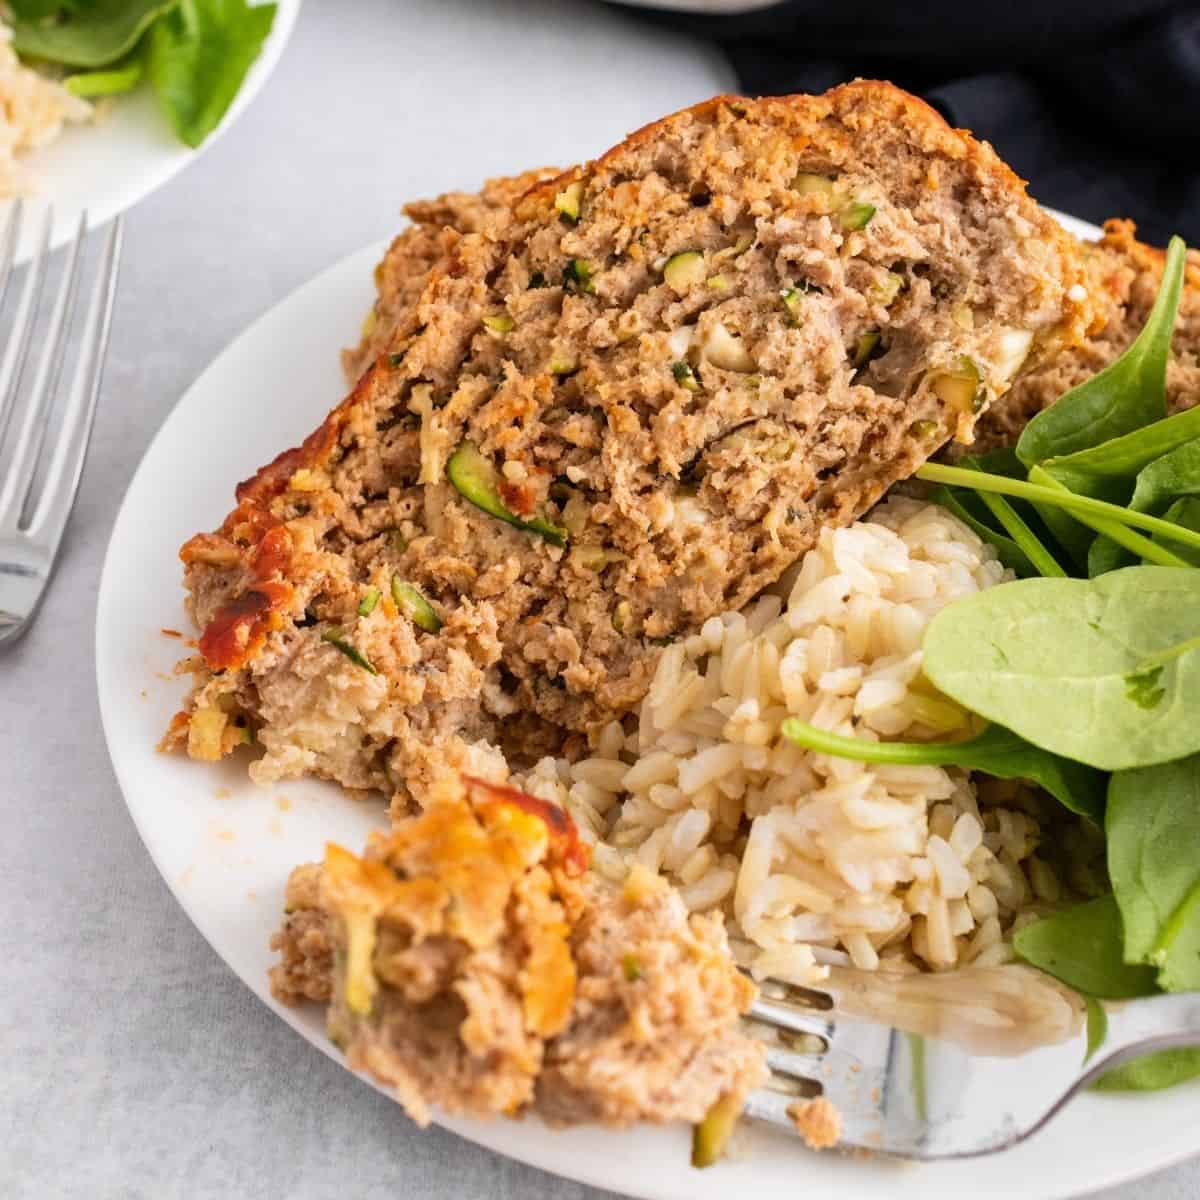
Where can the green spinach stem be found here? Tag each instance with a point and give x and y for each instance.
(1143, 547)
(981, 481)
(801, 733)
(1028, 541)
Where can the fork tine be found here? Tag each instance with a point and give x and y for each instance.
(14, 495)
(790, 1017)
(8, 247)
(794, 1064)
(66, 466)
(22, 330)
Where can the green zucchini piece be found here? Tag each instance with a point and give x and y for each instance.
(959, 388)
(366, 606)
(577, 274)
(685, 376)
(333, 635)
(414, 606)
(500, 323)
(813, 185)
(886, 290)
(864, 347)
(474, 478)
(684, 270)
(622, 615)
(569, 202)
(712, 1135)
(791, 301)
(856, 216)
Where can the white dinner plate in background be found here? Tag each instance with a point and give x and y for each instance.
(103, 168)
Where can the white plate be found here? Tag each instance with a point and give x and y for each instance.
(107, 167)
(224, 846)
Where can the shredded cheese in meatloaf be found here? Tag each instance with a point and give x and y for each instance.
(608, 409)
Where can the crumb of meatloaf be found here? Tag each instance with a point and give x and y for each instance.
(818, 1122)
(304, 943)
(652, 1036)
(680, 361)
(474, 968)
(1123, 276)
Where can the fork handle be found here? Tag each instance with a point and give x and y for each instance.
(1138, 1027)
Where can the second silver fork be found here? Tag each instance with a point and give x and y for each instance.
(33, 511)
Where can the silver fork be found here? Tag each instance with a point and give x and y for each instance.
(925, 1099)
(32, 519)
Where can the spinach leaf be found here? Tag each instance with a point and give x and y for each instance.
(1153, 827)
(1001, 461)
(1186, 513)
(1050, 659)
(95, 36)
(1009, 553)
(198, 57)
(1109, 469)
(995, 751)
(39, 10)
(1174, 474)
(1160, 486)
(1164, 1069)
(1129, 393)
(1082, 946)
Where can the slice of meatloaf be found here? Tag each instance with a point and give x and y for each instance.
(470, 964)
(621, 406)
(426, 245)
(1123, 277)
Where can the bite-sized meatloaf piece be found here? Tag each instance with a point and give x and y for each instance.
(622, 406)
(1123, 276)
(470, 963)
(428, 243)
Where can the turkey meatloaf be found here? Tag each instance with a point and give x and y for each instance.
(620, 404)
(1123, 279)
(469, 962)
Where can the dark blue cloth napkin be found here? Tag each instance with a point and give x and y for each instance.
(1096, 103)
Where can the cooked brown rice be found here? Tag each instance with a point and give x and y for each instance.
(824, 863)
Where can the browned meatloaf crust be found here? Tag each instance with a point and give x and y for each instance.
(1123, 275)
(687, 425)
(469, 963)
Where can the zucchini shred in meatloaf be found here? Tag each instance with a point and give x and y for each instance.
(611, 404)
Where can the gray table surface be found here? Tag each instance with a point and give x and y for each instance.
(134, 1062)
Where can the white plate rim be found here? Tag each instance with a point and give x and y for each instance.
(164, 168)
(581, 1154)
